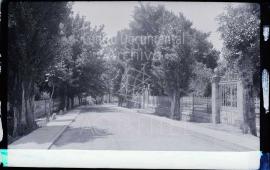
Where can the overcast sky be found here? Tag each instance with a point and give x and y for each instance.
(117, 15)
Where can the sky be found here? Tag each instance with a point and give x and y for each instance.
(117, 15)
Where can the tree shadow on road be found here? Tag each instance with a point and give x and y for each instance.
(97, 108)
(81, 135)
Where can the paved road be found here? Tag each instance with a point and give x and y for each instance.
(108, 127)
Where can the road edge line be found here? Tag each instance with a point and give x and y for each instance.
(61, 132)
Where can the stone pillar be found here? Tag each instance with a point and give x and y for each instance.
(240, 102)
(215, 100)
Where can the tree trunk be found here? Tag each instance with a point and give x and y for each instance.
(47, 113)
(15, 104)
(23, 110)
(102, 99)
(175, 106)
(21, 102)
(30, 117)
(51, 100)
(66, 102)
(16, 123)
(119, 101)
(66, 98)
(79, 98)
(72, 101)
(250, 115)
(29, 105)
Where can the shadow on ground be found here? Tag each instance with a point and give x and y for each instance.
(97, 108)
(81, 135)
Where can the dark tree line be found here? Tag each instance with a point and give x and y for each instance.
(50, 50)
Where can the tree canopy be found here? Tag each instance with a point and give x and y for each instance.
(240, 29)
(50, 49)
(169, 49)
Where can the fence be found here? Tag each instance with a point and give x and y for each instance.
(196, 109)
(192, 108)
(42, 107)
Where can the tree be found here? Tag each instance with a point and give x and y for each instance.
(118, 58)
(158, 31)
(204, 51)
(33, 30)
(240, 29)
(144, 29)
(147, 23)
(91, 63)
(206, 60)
(78, 67)
(188, 58)
(176, 59)
(200, 84)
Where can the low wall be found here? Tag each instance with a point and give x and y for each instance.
(196, 109)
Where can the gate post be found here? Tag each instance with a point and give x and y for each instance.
(215, 100)
(241, 103)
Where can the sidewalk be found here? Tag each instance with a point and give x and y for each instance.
(220, 132)
(44, 137)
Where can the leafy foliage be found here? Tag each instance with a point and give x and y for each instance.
(162, 53)
(239, 28)
(50, 50)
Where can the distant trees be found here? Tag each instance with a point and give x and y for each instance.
(80, 61)
(206, 58)
(240, 30)
(117, 56)
(200, 84)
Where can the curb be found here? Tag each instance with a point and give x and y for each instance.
(58, 135)
(61, 132)
(174, 123)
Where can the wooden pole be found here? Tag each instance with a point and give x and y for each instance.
(45, 105)
(192, 113)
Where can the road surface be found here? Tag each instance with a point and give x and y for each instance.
(108, 127)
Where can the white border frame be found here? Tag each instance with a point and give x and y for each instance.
(133, 159)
